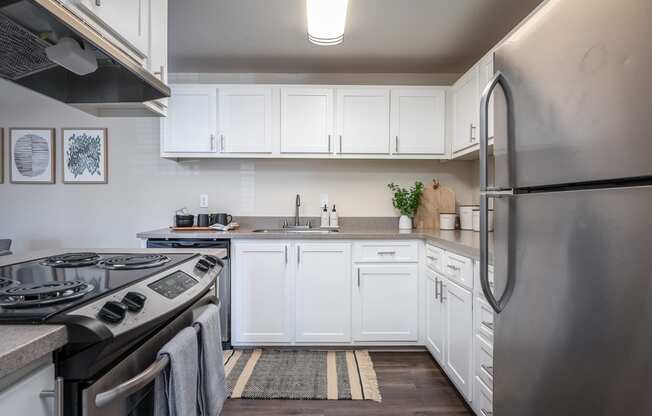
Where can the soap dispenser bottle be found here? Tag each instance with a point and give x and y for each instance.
(324, 217)
(334, 219)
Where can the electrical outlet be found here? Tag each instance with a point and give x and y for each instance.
(323, 200)
(203, 201)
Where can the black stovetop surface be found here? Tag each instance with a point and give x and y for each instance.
(103, 281)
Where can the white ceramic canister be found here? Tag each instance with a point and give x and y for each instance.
(466, 216)
(476, 220)
(447, 221)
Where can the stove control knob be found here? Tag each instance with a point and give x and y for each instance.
(203, 265)
(212, 260)
(112, 312)
(134, 301)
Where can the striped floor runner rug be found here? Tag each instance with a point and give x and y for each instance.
(300, 375)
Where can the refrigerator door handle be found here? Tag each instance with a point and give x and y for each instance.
(485, 192)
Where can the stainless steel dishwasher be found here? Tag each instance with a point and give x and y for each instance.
(224, 292)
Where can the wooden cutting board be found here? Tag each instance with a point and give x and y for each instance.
(194, 228)
(436, 199)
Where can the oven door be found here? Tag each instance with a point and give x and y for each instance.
(128, 388)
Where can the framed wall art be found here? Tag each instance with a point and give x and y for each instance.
(31, 155)
(84, 156)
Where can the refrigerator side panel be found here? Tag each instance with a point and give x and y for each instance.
(582, 86)
(575, 336)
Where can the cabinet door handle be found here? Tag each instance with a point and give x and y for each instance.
(489, 325)
(340, 144)
(381, 253)
(298, 254)
(358, 278)
(396, 144)
(329, 143)
(471, 130)
(222, 140)
(56, 394)
(212, 142)
(436, 286)
(488, 369)
(286, 254)
(453, 268)
(441, 292)
(159, 73)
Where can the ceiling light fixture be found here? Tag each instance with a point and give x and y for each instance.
(326, 21)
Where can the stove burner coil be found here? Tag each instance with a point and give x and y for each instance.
(72, 260)
(133, 261)
(4, 282)
(42, 294)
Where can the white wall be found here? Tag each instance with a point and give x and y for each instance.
(144, 190)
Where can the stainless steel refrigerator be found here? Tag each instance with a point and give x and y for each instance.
(573, 211)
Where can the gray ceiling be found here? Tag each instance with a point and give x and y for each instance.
(383, 36)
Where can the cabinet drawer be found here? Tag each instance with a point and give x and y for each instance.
(459, 269)
(435, 258)
(385, 252)
(484, 361)
(483, 399)
(484, 316)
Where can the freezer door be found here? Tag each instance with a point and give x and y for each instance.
(575, 337)
(582, 85)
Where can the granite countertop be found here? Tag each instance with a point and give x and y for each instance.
(461, 241)
(20, 345)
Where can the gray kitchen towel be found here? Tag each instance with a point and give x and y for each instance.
(212, 381)
(175, 389)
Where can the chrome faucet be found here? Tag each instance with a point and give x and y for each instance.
(297, 222)
(296, 212)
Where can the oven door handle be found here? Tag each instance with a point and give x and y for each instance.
(141, 380)
(134, 384)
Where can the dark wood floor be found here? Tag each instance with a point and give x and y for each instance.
(410, 384)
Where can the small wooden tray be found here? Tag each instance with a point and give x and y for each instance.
(199, 229)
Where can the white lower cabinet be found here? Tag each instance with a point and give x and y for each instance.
(459, 335)
(22, 397)
(385, 302)
(435, 322)
(323, 292)
(262, 288)
(482, 399)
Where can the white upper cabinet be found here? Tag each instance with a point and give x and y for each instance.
(323, 292)
(191, 124)
(466, 110)
(362, 121)
(158, 43)
(418, 121)
(245, 119)
(306, 120)
(384, 302)
(158, 39)
(127, 20)
(486, 74)
(326, 122)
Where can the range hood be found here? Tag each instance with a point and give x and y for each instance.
(29, 27)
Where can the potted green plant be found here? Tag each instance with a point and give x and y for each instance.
(406, 201)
